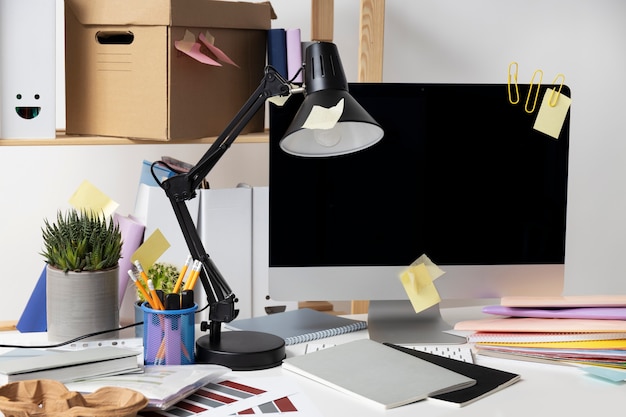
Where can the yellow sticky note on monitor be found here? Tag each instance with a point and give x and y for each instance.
(434, 271)
(88, 197)
(552, 113)
(151, 249)
(418, 284)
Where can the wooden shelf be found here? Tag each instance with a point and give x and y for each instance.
(66, 140)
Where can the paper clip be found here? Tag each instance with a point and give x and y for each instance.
(530, 90)
(554, 95)
(511, 100)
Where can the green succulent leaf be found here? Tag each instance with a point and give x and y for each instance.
(82, 241)
(163, 275)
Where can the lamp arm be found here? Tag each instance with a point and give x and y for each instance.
(182, 187)
(272, 84)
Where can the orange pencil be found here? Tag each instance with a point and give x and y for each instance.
(160, 356)
(140, 287)
(195, 272)
(181, 276)
(142, 273)
(155, 297)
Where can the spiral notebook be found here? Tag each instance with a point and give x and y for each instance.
(299, 326)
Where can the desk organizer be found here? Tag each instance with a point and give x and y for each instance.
(168, 336)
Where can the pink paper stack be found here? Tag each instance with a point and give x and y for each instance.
(573, 330)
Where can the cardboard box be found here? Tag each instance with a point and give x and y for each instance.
(125, 77)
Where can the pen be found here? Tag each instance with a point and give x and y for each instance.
(172, 301)
(186, 299)
(183, 271)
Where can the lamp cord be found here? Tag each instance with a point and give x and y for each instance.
(73, 340)
(166, 165)
(128, 326)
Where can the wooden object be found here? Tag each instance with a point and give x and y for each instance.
(8, 325)
(322, 20)
(63, 139)
(370, 69)
(371, 41)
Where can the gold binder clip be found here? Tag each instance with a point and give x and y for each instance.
(554, 95)
(511, 99)
(530, 90)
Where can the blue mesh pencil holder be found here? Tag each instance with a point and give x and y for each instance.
(168, 336)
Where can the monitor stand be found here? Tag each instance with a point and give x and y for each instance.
(395, 321)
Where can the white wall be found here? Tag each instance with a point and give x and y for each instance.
(473, 41)
(427, 41)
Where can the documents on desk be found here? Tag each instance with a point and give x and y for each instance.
(163, 385)
(376, 373)
(71, 366)
(581, 331)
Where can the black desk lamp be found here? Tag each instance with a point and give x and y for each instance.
(325, 86)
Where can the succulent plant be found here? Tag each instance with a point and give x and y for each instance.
(82, 241)
(163, 276)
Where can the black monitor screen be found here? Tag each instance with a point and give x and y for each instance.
(460, 175)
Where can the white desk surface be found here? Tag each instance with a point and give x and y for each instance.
(544, 389)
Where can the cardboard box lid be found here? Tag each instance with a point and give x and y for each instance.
(192, 13)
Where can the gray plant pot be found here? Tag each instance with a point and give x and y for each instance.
(79, 303)
(138, 318)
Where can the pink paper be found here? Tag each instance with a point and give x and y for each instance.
(132, 236)
(598, 313)
(294, 55)
(193, 50)
(219, 54)
(541, 325)
(566, 301)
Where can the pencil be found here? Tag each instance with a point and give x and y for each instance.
(155, 296)
(183, 271)
(142, 273)
(195, 272)
(140, 287)
(159, 358)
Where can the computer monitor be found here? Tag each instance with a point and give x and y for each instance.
(461, 176)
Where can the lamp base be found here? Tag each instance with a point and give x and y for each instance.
(241, 350)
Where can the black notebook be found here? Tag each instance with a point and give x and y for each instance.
(299, 326)
(488, 380)
(376, 373)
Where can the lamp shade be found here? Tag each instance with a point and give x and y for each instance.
(330, 121)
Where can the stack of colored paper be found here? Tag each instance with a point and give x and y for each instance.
(576, 330)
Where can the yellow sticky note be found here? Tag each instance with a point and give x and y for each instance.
(550, 119)
(280, 100)
(90, 198)
(418, 284)
(151, 249)
(434, 271)
(324, 118)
